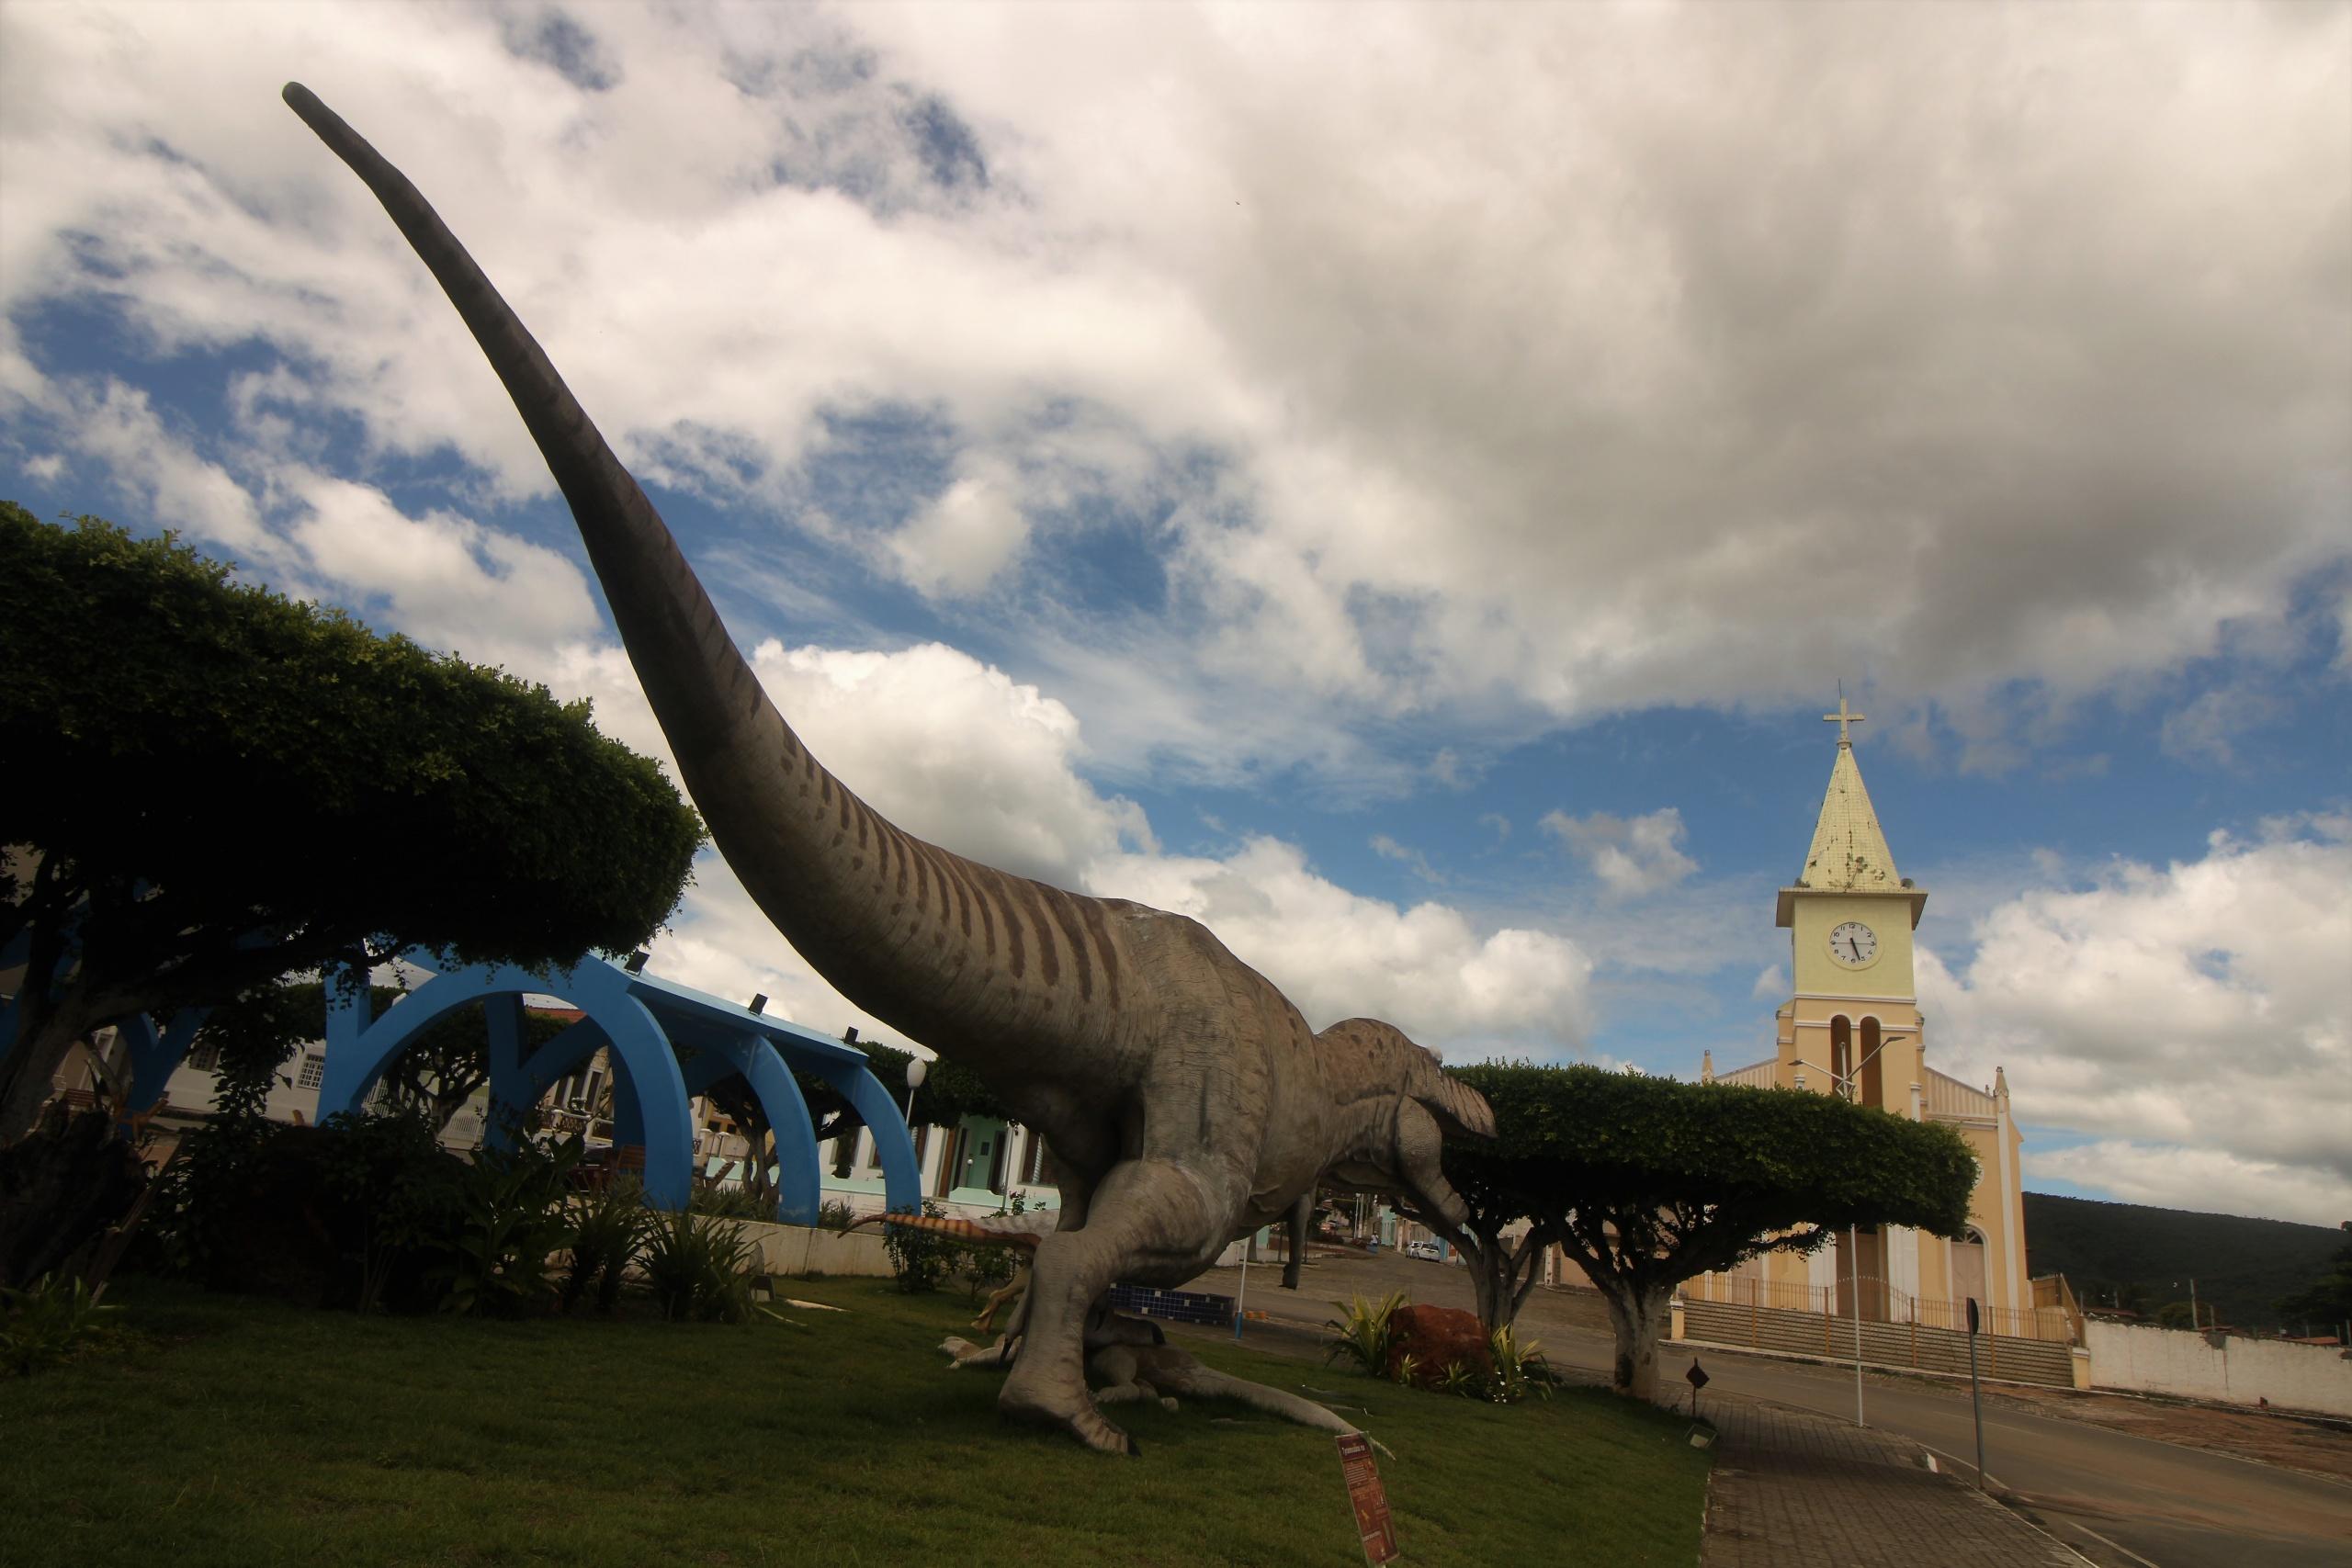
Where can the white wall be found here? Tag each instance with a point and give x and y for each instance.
(2242, 1371)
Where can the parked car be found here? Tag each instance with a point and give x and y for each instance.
(1428, 1249)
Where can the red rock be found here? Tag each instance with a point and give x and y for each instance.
(1436, 1338)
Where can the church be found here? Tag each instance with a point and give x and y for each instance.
(1853, 1028)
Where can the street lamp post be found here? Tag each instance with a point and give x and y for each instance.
(917, 1069)
(1849, 1084)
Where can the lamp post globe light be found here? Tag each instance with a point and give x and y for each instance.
(917, 1070)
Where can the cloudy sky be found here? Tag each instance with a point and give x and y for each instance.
(1401, 484)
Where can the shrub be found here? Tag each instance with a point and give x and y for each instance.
(514, 1220)
(54, 1319)
(700, 1267)
(731, 1203)
(921, 1259)
(1520, 1369)
(607, 1232)
(836, 1215)
(1364, 1334)
(352, 1212)
(394, 1193)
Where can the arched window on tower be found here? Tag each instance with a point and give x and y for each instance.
(1874, 1084)
(1841, 1052)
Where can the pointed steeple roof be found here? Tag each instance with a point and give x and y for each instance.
(1849, 852)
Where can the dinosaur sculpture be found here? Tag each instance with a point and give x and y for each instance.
(1185, 1097)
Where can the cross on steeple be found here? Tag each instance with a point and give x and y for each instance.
(1841, 718)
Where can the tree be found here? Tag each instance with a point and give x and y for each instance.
(1647, 1181)
(2326, 1301)
(211, 785)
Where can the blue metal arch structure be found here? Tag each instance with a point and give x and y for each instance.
(668, 1043)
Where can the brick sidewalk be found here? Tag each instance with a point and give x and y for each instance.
(1792, 1487)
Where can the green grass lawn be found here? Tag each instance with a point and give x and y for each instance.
(243, 1432)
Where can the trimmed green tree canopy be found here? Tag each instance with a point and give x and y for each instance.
(216, 785)
(1647, 1181)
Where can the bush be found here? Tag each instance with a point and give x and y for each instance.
(836, 1215)
(1520, 1369)
(513, 1202)
(395, 1192)
(54, 1319)
(607, 1233)
(731, 1203)
(921, 1259)
(348, 1213)
(61, 1187)
(700, 1267)
(1363, 1334)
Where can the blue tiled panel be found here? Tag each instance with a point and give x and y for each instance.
(1174, 1306)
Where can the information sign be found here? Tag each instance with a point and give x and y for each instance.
(1370, 1502)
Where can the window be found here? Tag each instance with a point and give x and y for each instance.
(314, 1071)
(205, 1058)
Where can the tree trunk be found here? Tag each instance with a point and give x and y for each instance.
(1639, 1314)
(1496, 1282)
(44, 1037)
(61, 1187)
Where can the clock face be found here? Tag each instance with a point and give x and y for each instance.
(1854, 945)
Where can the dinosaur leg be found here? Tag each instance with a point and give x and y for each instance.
(1077, 1192)
(1146, 1216)
(1116, 1370)
(998, 1299)
(1302, 1215)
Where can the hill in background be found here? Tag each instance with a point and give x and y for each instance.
(2241, 1265)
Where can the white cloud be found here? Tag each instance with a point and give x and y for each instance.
(967, 534)
(1632, 855)
(2202, 1004)
(2172, 1176)
(448, 581)
(162, 480)
(1338, 955)
(1412, 859)
(955, 751)
(2208, 728)
(1531, 369)
(1772, 984)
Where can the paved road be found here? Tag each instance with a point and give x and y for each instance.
(2123, 1501)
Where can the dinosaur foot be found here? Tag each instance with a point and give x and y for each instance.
(1081, 1421)
(962, 1352)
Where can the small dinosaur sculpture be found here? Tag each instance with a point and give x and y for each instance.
(1183, 1096)
(1020, 1235)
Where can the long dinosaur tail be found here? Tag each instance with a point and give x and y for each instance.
(936, 944)
(961, 1229)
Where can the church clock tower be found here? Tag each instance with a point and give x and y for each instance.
(1852, 1028)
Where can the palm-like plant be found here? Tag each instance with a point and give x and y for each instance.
(1362, 1334)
